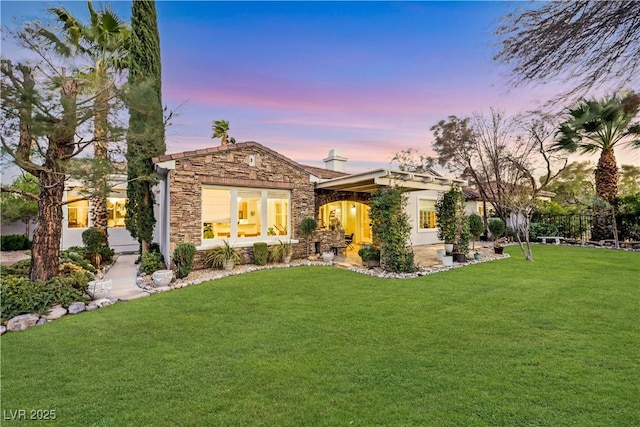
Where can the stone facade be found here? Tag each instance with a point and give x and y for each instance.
(247, 164)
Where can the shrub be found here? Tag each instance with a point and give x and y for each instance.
(150, 262)
(307, 227)
(19, 295)
(20, 268)
(497, 228)
(77, 256)
(541, 229)
(281, 251)
(183, 256)
(14, 242)
(391, 229)
(107, 254)
(369, 253)
(93, 239)
(260, 253)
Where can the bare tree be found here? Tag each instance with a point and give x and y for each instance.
(501, 156)
(584, 43)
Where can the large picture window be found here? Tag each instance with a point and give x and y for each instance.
(244, 213)
(78, 212)
(427, 214)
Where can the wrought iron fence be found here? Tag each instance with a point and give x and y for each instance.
(578, 226)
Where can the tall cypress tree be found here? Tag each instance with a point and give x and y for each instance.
(145, 137)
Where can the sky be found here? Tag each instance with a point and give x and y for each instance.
(366, 78)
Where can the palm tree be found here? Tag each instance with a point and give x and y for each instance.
(105, 44)
(600, 125)
(221, 130)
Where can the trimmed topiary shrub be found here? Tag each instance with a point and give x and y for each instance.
(183, 256)
(260, 253)
(497, 227)
(14, 242)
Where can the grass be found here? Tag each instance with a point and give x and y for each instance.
(554, 342)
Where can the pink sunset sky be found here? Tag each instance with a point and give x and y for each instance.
(366, 78)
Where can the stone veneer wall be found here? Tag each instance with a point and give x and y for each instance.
(232, 167)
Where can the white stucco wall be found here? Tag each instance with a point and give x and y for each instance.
(418, 236)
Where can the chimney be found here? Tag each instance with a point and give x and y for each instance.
(335, 161)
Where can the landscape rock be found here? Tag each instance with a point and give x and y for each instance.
(164, 289)
(56, 312)
(162, 278)
(98, 289)
(41, 321)
(99, 303)
(3, 329)
(22, 322)
(77, 307)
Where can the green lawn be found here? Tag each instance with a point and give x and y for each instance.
(550, 343)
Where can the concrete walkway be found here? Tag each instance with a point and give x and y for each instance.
(123, 275)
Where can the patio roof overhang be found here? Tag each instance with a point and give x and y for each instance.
(368, 182)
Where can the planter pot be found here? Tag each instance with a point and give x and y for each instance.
(447, 260)
(162, 278)
(448, 247)
(99, 289)
(440, 254)
(371, 264)
(228, 264)
(477, 256)
(459, 257)
(327, 256)
(286, 259)
(499, 250)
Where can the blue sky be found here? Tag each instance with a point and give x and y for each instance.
(367, 78)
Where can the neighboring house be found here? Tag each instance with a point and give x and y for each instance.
(246, 193)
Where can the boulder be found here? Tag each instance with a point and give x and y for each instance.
(41, 321)
(77, 307)
(3, 329)
(99, 303)
(162, 278)
(99, 289)
(56, 312)
(22, 322)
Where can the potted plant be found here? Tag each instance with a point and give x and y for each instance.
(370, 256)
(497, 228)
(476, 228)
(224, 256)
(307, 227)
(282, 252)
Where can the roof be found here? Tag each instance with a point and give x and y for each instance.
(372, 180)
(231, 147)
(323, 173)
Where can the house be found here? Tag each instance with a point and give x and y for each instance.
(246, 193)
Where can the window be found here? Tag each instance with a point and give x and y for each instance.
(249, 213)
(244, 213)
(216, 213)
(277, 213)
(116, 210)
(78, 212)
(427, 213)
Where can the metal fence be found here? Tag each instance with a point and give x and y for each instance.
(578, 226)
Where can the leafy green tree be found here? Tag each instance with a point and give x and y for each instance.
(574, 186)
(145, 136)
(599, 126)
(104, 42)
(221, 130)
(42, 114)
(629, 180)
(391, 229)
(20, 201)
